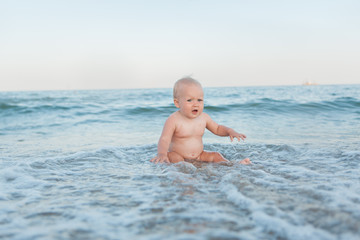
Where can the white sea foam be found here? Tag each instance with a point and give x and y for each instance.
(104, 192)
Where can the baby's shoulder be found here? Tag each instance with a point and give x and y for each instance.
(174, 117)
(205, 116)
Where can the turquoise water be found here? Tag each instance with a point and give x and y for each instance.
(75, 165)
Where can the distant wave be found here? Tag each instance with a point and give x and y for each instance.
(27, 109)
(286, 106)
(150, 110)
(271, 106)
(5, 106)
(267, 105)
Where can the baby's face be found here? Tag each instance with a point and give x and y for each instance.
(190, 100)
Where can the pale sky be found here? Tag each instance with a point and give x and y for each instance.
(110, 44)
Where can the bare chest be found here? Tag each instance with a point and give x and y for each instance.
(195, 128)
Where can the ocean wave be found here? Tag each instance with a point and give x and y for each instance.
(262, 105)
(5, 106)
(23, 109)
(274, 106)
(148, 110)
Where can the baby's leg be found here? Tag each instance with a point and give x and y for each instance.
(217, 157)
(175, 157)
(245, 161)
(212, 157)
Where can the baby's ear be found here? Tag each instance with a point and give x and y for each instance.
(176, 102)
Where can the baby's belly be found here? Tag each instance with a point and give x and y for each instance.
(188, 148)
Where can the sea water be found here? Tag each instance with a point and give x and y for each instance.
(75, 165)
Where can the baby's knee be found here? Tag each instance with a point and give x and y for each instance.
(217, 157)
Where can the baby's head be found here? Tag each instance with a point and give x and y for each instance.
(189, 97)
(179, 85)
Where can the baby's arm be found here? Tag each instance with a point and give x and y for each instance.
(164, 142)
(230, 132)
(222, 130)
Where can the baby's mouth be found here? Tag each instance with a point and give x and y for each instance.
(195, 111)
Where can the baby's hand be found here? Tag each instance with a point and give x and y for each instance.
(233, 134)
(160, 158)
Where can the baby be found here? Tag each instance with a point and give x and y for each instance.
(181, 137)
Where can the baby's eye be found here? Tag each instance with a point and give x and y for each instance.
(200, 100)
(189, 100)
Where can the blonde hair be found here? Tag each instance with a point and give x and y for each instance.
(185, 80)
